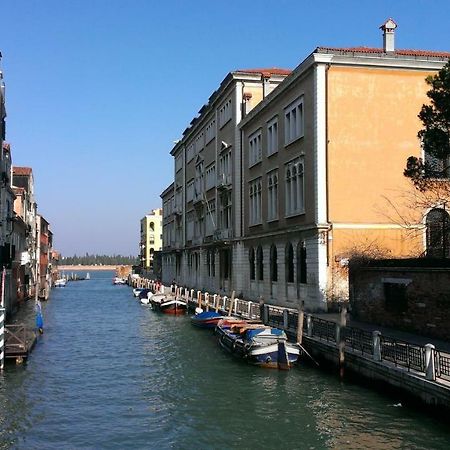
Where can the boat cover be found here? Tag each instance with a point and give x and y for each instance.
(250, 334)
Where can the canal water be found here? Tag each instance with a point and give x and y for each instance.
(109, 373)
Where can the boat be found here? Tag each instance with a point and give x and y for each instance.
(257, 343)
(119, 280)
(60, 282)
(206, 319)
(168, 304)
(88, 277)
(137, 291)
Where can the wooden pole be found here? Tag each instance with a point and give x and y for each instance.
(300, 325)
(231, 304)
(2, 321)
(342, 324)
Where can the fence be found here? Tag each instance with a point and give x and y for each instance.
(435, 364)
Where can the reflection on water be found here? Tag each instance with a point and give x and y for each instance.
(109, 373)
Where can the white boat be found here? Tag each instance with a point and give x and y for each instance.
(119, 280)
(88, 277)
(60, 282)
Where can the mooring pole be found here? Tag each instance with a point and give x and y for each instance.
(2, 321)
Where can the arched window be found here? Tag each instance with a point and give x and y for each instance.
(251, 262)
(301, 263)
(289, 263)
(152, 226)
(438, 233)
(260, 263)
(273, 263)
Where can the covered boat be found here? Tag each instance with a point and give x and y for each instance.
(259, 344)
(206, 319)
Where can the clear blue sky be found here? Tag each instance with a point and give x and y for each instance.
(98, 90)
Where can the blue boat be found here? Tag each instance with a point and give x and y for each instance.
(206, 319)
(257, 343)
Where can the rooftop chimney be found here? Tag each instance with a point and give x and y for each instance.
(388, 35)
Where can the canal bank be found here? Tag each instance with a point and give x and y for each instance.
(109, 373)
(405, 362)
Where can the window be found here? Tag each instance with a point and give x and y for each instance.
(199, 142)
(251, 261)
(301, 263)
(210, 217)
(272, 137)
(210, 131)
(438, 233)
(293, 121)
(225, 113)
(395, 299)
(199, 187)
(259, 263)
(295, 202)
(190, 152)
(254, 148)
(273, 264)
(225, 210)
(272, 195)
(224, 167)
(210, 176)
(225, 263)
(289, 263)
(152, 226)
(255, 196)
(437, 167)
(190, 191)
(178, 163)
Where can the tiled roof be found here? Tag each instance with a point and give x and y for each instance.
(22, 170)
(269, 71)
(380, 51)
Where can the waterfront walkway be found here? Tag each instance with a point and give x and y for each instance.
(400, 335)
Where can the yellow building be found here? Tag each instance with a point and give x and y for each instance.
(323, 161)
(151, 238)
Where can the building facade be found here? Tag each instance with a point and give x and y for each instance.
(202, 209)
(151, 238)
(317, 178)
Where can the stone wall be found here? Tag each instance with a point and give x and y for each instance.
(414, 298)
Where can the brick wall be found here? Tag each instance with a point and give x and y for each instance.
(415, 299)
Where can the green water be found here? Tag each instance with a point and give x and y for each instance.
(109, 373)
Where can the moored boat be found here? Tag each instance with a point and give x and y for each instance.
(60, 282)
(168, 304)
(206, 319)
(257, 343)
(119, 280)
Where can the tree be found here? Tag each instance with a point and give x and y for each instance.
(435, 134)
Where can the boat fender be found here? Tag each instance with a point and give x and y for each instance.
(268, 359)
(234, 346)
(198, 310)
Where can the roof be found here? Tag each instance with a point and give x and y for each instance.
(22, 170)
(381, 52)
(267, 72)
(18, 190)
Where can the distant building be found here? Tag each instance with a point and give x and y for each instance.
(25, 208)
(151, 238)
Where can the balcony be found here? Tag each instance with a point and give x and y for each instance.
(223, 182)
(221, 235)
(198, 197)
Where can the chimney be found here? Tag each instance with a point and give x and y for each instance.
(388, 35)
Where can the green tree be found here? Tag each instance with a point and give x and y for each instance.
(435, 134)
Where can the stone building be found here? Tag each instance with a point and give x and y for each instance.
(202, 208)
(314, 161)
